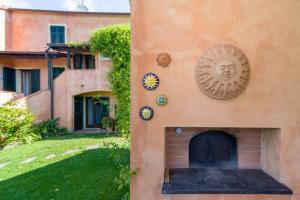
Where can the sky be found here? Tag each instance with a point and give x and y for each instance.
(70, 5)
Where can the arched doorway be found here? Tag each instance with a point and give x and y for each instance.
(90, 108)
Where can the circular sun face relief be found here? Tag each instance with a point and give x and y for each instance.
(163, 59)
(223, 72)
(146, 113)
(161, 100)
(150, 81)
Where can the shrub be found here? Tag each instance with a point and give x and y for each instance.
(123, 181)
(49, 128)
(121, 161)
(82, 45)
(108, 123)
(114, 41)
(16, 125)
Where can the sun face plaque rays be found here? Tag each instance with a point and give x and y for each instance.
(146, 113)
(150, 81)
(223, 72)
(161, 100)
(163, 59)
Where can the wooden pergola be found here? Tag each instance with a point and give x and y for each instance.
(54, 51)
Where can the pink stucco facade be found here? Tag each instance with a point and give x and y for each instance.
(77, 82)
(27, 31)
(268, 33)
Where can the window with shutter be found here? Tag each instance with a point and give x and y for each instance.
(9, 79)
(57, 34)
(78, 61)
(35, 80)
(90, 61)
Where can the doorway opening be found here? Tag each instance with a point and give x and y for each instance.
(89, 112)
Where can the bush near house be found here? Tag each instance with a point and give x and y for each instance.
(121, 162)
(16, 125)
(109, 123)
(114, 41)
(50, 128)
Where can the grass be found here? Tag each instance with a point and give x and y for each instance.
(87, 174)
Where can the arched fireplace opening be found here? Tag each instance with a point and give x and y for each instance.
(213, 149)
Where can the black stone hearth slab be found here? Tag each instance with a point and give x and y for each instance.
(222, 181)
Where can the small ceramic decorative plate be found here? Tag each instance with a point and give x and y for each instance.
(163, 59)
(161, 100)
(146, 113)
(150, 81)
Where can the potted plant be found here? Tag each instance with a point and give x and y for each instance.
(109, 124)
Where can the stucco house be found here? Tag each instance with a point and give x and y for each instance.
(41, 72)
(217, 114)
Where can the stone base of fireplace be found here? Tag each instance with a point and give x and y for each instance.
(222, 181)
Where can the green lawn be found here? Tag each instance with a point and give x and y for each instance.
(85, 174)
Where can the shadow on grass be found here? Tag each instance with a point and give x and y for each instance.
(80, 136)
(89, 175)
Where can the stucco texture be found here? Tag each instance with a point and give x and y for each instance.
(28, 30)
(37, 103)
(266, 31)
(78, 82)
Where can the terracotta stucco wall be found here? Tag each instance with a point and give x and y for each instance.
(37, 103)
(9, 96)
(2, 30)
(27, 64)
(29, 30)
(3, 63)
(266, 31)
(66, 86)
(76, 82)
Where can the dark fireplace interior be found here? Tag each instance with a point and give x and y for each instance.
(213, 149)
(213, 162)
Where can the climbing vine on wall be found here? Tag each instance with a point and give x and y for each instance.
(114, 42)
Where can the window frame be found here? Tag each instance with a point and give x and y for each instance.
(104, 58)
(49, 32)
(58, 67)
(87, 61)
(81, 57)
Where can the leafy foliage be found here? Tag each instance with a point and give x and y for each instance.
(88, 175)
(121, 161)
(114, 41)
(123, 180)
(79, 45)
(50, 128)
(109, 123)
(16, 125)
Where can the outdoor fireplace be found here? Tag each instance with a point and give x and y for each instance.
(220, 161)
(215, 100)
(212, 149)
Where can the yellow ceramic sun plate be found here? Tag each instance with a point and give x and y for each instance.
(150, 81)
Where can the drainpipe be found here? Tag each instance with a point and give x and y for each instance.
(50, 81)
(69, 59)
